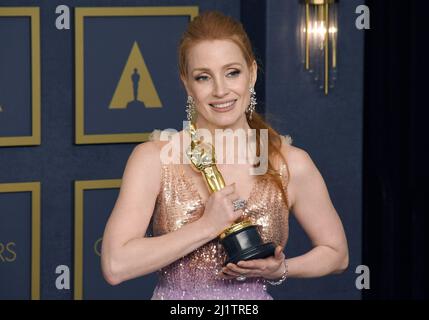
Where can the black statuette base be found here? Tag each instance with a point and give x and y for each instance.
(246, 244)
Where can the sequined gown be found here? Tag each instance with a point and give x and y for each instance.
(195, 276)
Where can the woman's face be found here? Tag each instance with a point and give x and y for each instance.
(219, 80)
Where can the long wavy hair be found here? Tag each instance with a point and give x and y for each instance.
(214, 25)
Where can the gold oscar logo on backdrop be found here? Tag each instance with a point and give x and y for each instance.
(7, 252)
(135, 88)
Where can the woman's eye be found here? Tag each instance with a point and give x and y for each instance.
(199, 78)
(229, 75)
(234, 73)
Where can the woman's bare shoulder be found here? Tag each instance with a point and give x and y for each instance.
(151, 151)
(301, 170)
(142, 175)
(298, 160)
(148, 151)
(156, 141)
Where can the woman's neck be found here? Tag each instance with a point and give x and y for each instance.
(240, 140)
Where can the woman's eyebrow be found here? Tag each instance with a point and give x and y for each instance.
(225, 66)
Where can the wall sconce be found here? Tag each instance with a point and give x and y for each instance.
(319, 31)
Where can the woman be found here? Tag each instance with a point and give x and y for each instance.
(218, 70)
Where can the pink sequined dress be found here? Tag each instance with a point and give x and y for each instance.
(195, 276)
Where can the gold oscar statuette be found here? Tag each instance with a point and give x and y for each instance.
(241, 240)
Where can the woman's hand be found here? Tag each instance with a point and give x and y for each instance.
(219, 212)
(268, 268)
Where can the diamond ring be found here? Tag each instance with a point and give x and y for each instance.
(239, 204)
(241, 278)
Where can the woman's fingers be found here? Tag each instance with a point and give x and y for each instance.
(252, 264)
(226, 276)
(227, 190)
(255, 267)
(238, 270)
(278, 253)
(231, 272)
(261, 264)
(233, 196)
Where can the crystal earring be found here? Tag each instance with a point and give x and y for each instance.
(252, 104)
(190, 109)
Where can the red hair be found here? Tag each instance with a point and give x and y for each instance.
(214, 25)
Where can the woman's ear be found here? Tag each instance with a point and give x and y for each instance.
(253, 73)
(185, 85)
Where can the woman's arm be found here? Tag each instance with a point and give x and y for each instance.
(126, 252)
(309, 201)
(314, 211)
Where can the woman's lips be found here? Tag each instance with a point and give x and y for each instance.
(224, 107)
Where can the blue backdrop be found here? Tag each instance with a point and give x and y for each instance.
(329, 128)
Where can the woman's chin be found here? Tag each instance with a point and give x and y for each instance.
(225, 122)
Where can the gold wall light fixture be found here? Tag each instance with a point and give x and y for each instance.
(319, 40)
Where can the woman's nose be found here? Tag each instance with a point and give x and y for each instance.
(220, 89)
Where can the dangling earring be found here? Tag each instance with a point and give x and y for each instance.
(252, 104)
(190, 109)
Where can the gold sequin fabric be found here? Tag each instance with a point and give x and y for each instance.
(195, 276)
